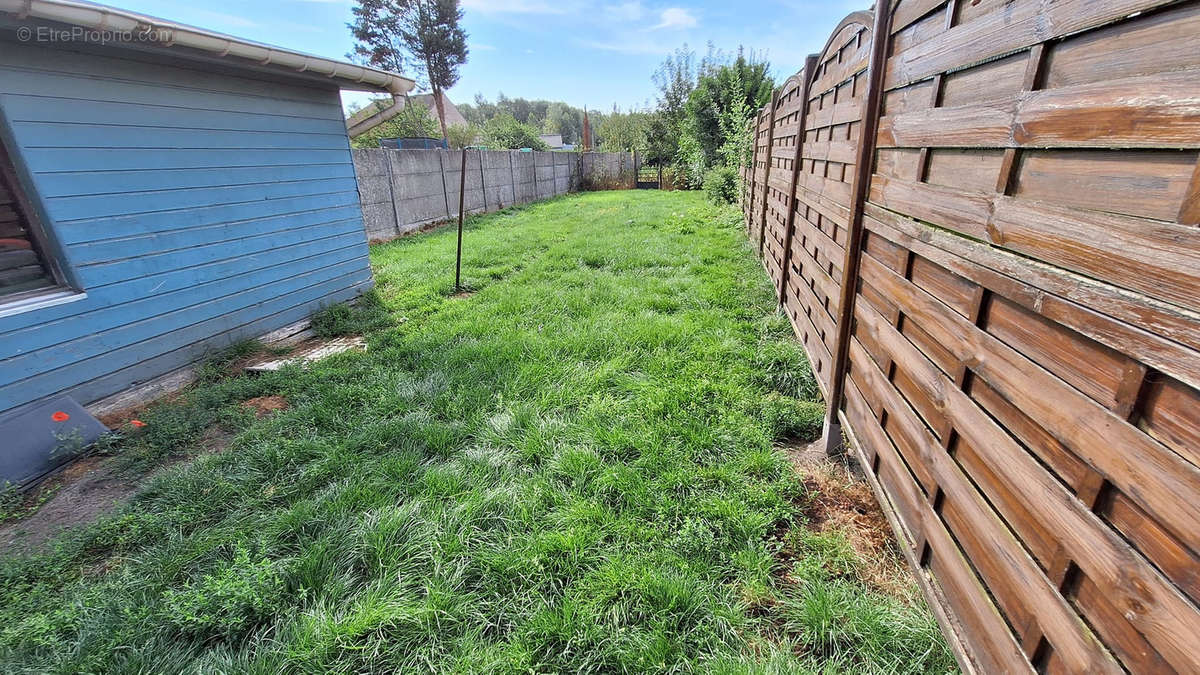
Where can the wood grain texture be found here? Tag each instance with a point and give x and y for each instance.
(1021, 325)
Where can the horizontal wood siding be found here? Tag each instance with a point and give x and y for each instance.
(193, 208)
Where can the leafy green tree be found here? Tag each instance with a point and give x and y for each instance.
(624, 131)
(725, 96)
(565, 120)
(675, 80)
(549, 117)
(660, 145)
(413, 121)
(504, 131)
(462, 135)
(427, 31)
(705, 105)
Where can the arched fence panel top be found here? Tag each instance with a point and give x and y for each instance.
(1022, 348)
(805, 193)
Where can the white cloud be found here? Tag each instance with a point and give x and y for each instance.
(676, 17)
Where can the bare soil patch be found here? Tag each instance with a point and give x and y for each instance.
(841, 501)
(84, 491)
(265, 405)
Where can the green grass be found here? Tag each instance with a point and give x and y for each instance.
(570, 470)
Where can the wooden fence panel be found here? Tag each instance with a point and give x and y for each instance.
(1022, 369)
(823, 190)
(762, 141)
(785, 141)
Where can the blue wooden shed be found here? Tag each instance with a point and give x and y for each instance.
(165, 191)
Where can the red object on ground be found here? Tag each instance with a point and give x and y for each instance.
(60, 416)
(137, 423)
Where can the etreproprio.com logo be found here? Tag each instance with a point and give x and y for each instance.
(82, 34)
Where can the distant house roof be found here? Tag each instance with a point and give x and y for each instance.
(453, 116)
(180, 37)
(381, 110)
(553, 140)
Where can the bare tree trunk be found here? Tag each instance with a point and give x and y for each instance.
(441, 110)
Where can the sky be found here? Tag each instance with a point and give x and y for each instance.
(593, 53)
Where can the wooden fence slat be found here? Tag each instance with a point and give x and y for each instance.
(1162, 482)
(1010, 28)
(797, 160)
(961, 590)
(862, 183)
(988, 246)
(1149, 600)
(986, 533)
(762, 215)
(1111, 114)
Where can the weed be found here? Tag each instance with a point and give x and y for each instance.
(16, 503)
(219, 364)
(223, 603)
(12, 502)
(344, 319)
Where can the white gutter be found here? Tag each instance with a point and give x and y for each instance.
(168, 33)
(363, 126)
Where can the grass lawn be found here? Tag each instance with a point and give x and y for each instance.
(575, 468)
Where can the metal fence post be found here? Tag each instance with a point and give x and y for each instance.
(462, 190)
(482, 181)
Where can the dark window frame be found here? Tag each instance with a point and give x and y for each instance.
(39, 241)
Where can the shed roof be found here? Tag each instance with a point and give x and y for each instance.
(237, 51)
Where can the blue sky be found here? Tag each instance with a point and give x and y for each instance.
(585, 52)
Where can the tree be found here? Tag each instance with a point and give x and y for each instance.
(710, 129)
(427, 31)
(675, 79)
(462, 135)
(504, 131)
(376, 31)
(413, 121)
(563, 119)
(550, 117)
(736, 87)
(624, 132)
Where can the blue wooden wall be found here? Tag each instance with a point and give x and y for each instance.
(194, 208)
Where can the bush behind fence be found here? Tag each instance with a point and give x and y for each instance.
(982, 219)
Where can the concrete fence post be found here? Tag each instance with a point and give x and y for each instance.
(512, 176)
(445, 190)
(387, 160)
(483, 179)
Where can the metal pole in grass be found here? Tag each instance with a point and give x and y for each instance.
(462, 188)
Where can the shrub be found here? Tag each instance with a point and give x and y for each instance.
(461, 135)
(720, 184)
(504, 131)
(415, 120)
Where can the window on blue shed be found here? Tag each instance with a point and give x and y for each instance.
(23, 267)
